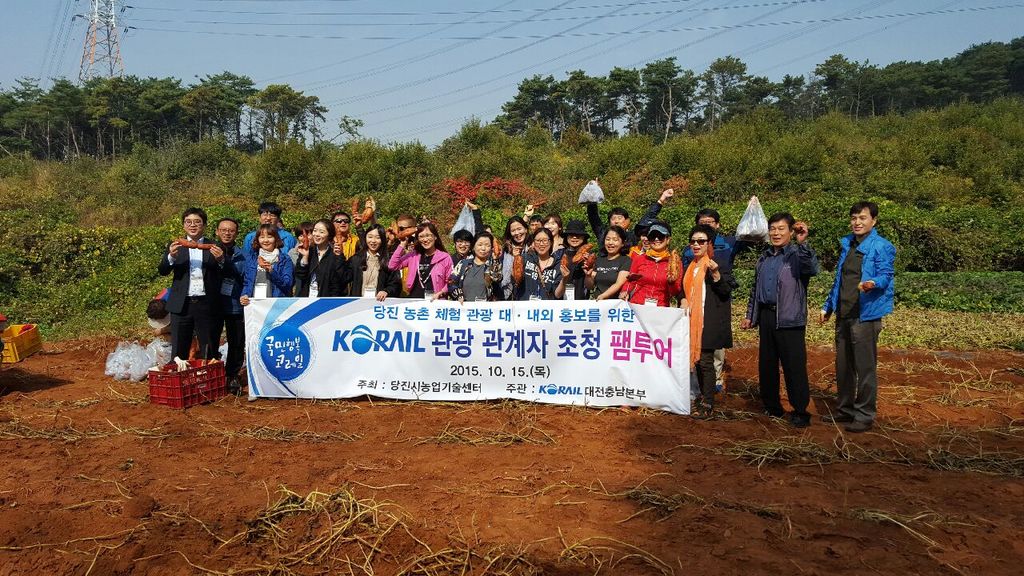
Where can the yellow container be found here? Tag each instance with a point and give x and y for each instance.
(20, 342)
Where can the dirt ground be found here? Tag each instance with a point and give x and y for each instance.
(95, 480)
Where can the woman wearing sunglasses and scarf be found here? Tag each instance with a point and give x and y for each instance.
(655, 276)
(707, 296)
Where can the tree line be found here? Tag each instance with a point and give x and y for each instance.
(663, 98)
(105, 117)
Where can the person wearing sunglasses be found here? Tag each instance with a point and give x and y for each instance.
(345, 242)
(778, 307)
(726, 248)
(707, 296)
(655, 277)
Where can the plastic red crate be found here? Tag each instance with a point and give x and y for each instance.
(200, 383)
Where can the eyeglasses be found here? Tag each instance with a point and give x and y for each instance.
(656, 237)
(341, 221)
(193, 222)
(699, 241)
(403, 227)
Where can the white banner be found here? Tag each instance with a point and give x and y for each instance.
(607, 353)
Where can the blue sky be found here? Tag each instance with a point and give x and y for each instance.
(417, 70)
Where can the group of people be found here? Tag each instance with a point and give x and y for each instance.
(537, 258)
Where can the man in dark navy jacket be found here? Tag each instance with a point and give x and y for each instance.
(778, 307)
(195, 288)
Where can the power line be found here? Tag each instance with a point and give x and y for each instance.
(417, 14)
(421, 23)
(545, 37)
(847, 41)
(402, 62)
(375, 52)
(433, 77)
(573, 63)
(49, 41)
(517, 72)
(760, 46)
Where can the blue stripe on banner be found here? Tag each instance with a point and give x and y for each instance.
(252, 379)
(311, 311)
(318, 308)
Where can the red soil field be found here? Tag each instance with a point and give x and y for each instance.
(95, 480)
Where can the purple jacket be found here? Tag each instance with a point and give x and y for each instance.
(800, 263)
(438, 274)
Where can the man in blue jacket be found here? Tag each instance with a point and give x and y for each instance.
(778, 307)
(861, 295)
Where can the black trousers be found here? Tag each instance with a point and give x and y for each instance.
(196, 317)
(234, 325)
(788, 347)
(705, 370)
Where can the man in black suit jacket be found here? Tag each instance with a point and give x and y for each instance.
(194, 302)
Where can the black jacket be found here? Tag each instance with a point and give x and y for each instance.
(389, 281)
(717, 333)
(601, 228)
(180, 279)
(332, 274)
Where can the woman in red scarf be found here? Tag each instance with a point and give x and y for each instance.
(707, 295)
(655, 277)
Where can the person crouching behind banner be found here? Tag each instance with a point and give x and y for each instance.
(321, 272)
(428, 265)
(371, 277)
(655, 277)
(707, 291)
(478, 277)
(537, 274)
(268, 272)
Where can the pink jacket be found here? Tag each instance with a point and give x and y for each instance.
(438, 274)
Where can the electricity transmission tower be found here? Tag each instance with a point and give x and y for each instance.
(101, 55)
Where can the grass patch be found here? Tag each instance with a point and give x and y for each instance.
(527, 434)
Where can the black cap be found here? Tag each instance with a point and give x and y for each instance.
(575, 228)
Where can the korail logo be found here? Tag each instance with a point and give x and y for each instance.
(552, 390)
(362, 340)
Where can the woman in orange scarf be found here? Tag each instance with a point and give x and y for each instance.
(708, 298)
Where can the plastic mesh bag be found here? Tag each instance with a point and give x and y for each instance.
(465, 222)
(753, 226)
(592, 193)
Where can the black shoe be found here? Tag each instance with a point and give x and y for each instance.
(858, 427)
(800, 421)
(838, 418)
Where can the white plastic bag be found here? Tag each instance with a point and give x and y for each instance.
(139, 362)
(464, 222)
(128, 361)
(159, 352)
(592, 193)
(223, 350)
(753, 226)
(117, 362)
